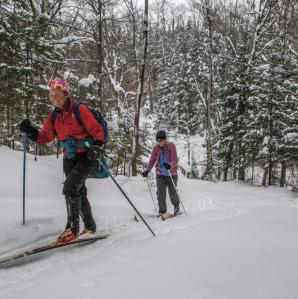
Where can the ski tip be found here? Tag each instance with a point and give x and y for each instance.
(92, 237)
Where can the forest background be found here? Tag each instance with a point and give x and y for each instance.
(223, 72)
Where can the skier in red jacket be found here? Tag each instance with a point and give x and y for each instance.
(78, 158)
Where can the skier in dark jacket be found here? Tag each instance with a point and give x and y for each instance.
(78, 158)
(164, 157)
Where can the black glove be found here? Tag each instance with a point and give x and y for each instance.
(167, 166)
(95, 151)
(26, 127)
(145, 173)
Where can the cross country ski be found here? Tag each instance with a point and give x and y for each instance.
(166, 216)
(53, 245)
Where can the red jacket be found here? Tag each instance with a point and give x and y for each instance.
(66, 126)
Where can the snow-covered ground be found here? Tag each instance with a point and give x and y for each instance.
(237, 241)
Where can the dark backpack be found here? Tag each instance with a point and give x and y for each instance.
(97, 115)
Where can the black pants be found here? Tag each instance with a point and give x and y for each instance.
(76, 171)
(164, 182)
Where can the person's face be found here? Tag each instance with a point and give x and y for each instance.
(58, 97)
(161, 142)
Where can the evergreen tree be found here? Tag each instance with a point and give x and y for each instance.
(26, 58)
(230, 146)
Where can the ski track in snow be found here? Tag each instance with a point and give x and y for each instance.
(203, 201)
(124, 231)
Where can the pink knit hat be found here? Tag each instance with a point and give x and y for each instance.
(59, 83)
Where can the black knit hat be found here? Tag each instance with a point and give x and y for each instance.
(161, 134)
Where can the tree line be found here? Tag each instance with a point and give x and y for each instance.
(224, 70)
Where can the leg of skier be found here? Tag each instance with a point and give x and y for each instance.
(86, 213)
(161, 193)
(172, 193)
(76, 172)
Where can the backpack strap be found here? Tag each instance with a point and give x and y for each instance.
(53, 119)
(54, 116)
(76, 112)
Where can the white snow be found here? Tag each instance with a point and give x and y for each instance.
(237, 241)
(87, 81)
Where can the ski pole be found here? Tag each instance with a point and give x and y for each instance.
(35, 151)
(105, 168)
(177, 192)
(151, 194)
(24, 174)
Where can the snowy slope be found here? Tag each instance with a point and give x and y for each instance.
(237, 241)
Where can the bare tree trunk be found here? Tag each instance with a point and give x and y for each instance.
(270, 162)
(283, 173)
(241, 174)
(270, 171)
(228, 160)
(8, 126)
(264, 181)
(124, 165)
(253, 170)
(99, 44)
(188, 153)
(139, 96)
(209, 166)
(150, 91)
(12, 128)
